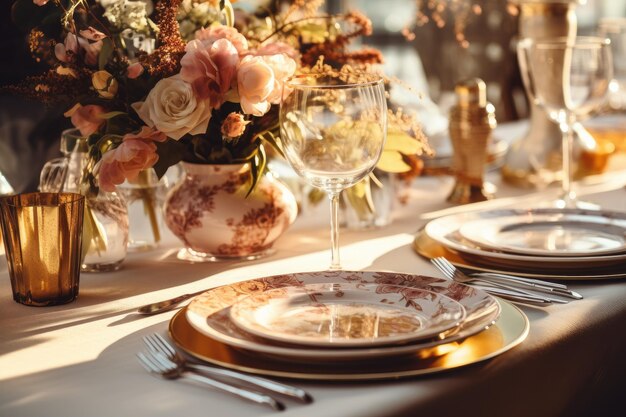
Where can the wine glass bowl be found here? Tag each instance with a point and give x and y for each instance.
(333, 129)
(570, 79)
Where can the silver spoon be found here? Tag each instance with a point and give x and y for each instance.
(166, 305)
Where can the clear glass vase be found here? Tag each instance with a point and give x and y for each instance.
(105, 227)
(144, 199)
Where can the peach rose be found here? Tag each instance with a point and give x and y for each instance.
(211, 34)
(210, 69)
(173, 108)
(234, 125)
(125, 162)
(260, 79)
(86, 118)
(136, 153)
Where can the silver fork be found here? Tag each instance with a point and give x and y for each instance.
(512, 281)
(158, 364)
(157, 343)
(509, 293)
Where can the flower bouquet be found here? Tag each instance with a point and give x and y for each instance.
(151, 84)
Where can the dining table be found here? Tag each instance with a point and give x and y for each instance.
(79, 359)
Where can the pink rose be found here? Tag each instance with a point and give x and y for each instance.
(134, 70)
(276, 48)
(210, 69)
(136, 153)
(260, 79)
(214, 33)
(86, 118)
(234, 125)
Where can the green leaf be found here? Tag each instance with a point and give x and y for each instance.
(273, 142)
(257, 166)
(402, 142)
(391, 161)
(105, 52)
(229, 13)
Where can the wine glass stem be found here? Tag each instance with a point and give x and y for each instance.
(567, 129)
(335, 264)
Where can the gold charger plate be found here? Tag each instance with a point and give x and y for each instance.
(430, 248)
(509, 330)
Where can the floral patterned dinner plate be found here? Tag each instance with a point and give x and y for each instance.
(508, 331)
(347, 315)
(209, 313)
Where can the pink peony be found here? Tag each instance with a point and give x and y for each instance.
(210, 69)
(260, 79)
(210, 35)
(234, 125)
(86, 118)
(134, 70)
(136, 153)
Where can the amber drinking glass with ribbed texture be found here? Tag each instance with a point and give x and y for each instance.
(42, 236)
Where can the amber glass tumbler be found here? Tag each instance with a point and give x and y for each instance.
(42, 237)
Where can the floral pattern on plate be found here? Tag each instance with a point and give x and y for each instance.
(210, 312)
(347, 315)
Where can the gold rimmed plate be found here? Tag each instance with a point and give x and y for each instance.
(445, 230)
(510, 330)
(209, 312)
(347, 315)
(429, 248)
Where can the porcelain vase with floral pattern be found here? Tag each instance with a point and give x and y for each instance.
(208, 210)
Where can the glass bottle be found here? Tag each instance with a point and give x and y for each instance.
(105, 226)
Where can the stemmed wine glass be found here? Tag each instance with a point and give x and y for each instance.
(570, 79)
(333, 128)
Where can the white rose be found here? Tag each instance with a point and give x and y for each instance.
(173, 109)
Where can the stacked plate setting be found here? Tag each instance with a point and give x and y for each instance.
(343, 316)
(552, 243)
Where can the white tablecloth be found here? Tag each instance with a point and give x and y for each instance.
(79, 359)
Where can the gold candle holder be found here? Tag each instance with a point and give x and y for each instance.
(43, 236)
(471, 122)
